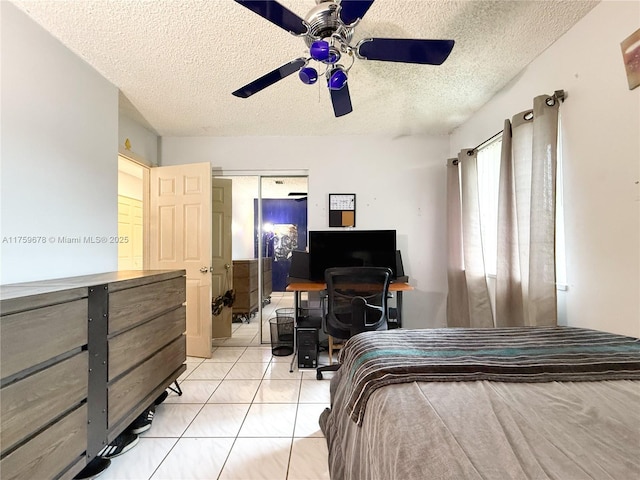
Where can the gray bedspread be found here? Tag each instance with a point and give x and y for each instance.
(530, 354)
(484, 429)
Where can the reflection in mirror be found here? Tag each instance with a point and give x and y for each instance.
(269, 222)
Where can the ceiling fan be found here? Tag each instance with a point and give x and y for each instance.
(327, 30)
(300, 196)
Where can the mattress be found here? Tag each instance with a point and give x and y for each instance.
(561, 428)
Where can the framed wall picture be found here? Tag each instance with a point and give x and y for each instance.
(631, 55)
(342, 209)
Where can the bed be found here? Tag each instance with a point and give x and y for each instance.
(518, 403)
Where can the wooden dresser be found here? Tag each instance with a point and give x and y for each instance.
(245, 284)
(80, 359)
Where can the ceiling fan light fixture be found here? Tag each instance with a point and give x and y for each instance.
(334, 55)
(308, 75)
(319, 50)
(337, 79)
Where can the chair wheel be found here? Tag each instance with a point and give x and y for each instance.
(318, 375)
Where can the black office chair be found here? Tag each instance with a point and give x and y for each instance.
(357, 302)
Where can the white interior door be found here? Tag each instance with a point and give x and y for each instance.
(221, 264)
(180, 238)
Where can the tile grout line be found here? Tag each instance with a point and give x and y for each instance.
(198, 413)
(293, 433)
(177, 439)
(270, 364)
(245, 416)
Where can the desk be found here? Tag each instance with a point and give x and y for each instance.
(298, 287)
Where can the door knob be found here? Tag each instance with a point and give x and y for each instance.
(204, 269)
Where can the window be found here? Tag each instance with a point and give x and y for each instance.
(488, 177)
(561, 261)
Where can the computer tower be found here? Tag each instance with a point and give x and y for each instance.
(307, 347)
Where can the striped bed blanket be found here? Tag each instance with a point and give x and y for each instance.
(372, 360)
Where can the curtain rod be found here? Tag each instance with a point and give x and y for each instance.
(470, 152)
(558, 95)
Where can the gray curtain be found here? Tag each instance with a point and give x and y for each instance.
(457, 306)
(468, 303)
(526, 271)
(525, 275)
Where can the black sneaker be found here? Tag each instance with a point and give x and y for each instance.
(121, 444)
(94, 468)
(161, 398)
(143, 422)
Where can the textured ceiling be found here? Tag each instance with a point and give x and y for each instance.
(176, 62)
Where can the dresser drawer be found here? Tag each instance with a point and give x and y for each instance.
(53, 450)
(133, 346)
(245, 285)
(245, 268)
(245, 301)
(132, 306)
(129, 390)
(35, 336)
(33, 402)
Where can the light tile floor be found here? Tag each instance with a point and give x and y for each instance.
(242, 415)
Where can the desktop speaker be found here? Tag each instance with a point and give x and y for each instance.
(299, 267)
(399, 266)
(307, 347)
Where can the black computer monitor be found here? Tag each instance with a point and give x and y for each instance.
(348, 248)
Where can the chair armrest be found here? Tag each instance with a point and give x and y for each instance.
(359, 313)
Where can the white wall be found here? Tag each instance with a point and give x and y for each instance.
(59, 156)
(601, 155)
(130, 186)
(144, 143)
(245, 190)
(399, 183)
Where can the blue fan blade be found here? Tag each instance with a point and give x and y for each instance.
(431, 52)
(270, 78)
(276, 14)
(352, 10)
(341, 101)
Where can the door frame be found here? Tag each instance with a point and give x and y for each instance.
(261, 174)
(146, 192)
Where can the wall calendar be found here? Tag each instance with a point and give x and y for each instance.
(342, 209)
